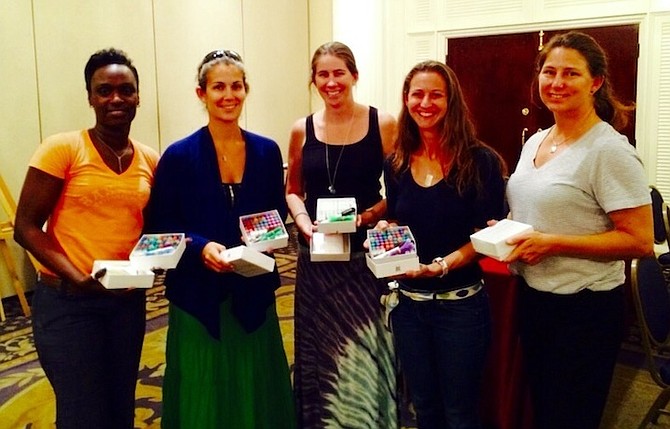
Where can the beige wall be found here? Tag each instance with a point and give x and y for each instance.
(44, 47)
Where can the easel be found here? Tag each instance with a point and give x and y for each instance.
(6, 234)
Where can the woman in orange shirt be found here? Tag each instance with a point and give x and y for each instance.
(91, 186)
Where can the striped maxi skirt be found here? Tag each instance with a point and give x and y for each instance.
(344, 374)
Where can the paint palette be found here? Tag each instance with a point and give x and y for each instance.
(391, 251)
(264, 231)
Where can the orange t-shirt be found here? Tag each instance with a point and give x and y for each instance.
(99, 212)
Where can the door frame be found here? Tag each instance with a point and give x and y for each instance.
(646, 141)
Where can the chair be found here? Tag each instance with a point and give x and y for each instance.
(7, 234)
(658, 208)
(652, 306)
(665, 214)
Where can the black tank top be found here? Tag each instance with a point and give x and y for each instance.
(357, 174)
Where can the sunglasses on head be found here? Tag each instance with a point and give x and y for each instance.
(222, 53)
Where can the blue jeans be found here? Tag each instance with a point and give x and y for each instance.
(89, 348)
(442, 347)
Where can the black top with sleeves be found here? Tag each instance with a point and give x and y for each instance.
(358, 173)
(441, 220)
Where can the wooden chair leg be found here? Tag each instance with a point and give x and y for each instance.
(654, 411)
(2, 311)
(16, 281)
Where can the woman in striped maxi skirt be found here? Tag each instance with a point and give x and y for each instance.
(344, 363)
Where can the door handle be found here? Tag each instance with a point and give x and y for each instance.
(523, 136)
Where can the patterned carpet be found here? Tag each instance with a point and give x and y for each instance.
(26, 398)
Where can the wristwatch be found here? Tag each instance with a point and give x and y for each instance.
(442, 263)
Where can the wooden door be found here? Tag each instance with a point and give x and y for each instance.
(496, 73)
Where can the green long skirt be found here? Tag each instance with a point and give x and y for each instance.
(241, 381)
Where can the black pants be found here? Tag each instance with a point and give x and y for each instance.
(89, 348)
(570, 345)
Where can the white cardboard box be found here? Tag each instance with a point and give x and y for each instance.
(329, 247)
(264, 231)
(158, 251)
(336, 215)
(248, 262)
(393, 266)
(490, 241)
(392, 251)
(123, 275)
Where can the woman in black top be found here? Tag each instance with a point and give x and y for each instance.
(344, 370)
(443, 184)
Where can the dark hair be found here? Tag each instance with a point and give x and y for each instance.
(220, 56)
(607, 105)
(104, 58)
(458, 139)
(339, 50)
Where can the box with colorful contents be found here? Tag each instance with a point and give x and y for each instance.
(247, 261)
(336, 215)
(392, 251)
(329, 247)
(264, 231)
(123, 275)
(158, 251)
(491, 241)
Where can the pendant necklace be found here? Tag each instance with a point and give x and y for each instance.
(554, 146)
(577, 135)
(119, 158)
(331, 181)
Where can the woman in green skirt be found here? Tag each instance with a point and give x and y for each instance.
(226, 365)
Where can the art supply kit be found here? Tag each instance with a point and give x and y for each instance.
(152, 251)
(392, 251)
(492, 241)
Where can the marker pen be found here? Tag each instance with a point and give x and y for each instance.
(405, 247)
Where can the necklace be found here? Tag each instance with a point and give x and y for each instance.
(577, 134)
(119, 158)
(331, 181)
(554, 146)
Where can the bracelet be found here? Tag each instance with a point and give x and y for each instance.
(295, 216)
(442, 263)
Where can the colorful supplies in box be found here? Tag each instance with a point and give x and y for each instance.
(264, 231)
(158, 251)
(329, 247)
(336, 215)
(392, 251)
(152, 251)
(491, 241)
(247, 261)
(123, 275)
